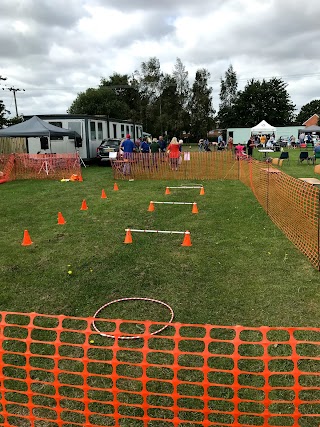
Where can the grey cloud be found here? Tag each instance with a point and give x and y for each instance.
(48, 12)
(169, 6)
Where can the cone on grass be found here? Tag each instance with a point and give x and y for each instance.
(128, 238)
(80, 178)
(195, 208)
(186, 239)
(151, 207)
(61, 220)
(202, 191)
(167, 191)
(26, 241)
(103, 194)
(84, 206)
(115, 187)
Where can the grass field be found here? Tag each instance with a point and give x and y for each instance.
(240, 270)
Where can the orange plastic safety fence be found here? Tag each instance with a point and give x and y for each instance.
(6, 166)
(45, 166)
(292, 204)
(55, 371)
(200, 165)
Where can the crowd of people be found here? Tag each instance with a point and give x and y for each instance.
(152, 146)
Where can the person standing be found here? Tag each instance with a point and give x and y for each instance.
(250, 146)
(127, 146)
(174, 153)
(155, 152)
(162, 143)
(263, 140)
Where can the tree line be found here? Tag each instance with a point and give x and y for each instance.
(167, 104)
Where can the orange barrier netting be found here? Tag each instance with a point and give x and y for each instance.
(40, 166)
(55, 371)
(212, 165)
(292, 204)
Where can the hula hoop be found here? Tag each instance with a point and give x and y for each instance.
(126, 337)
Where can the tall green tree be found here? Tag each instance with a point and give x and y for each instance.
(307, 111)
(228, 98)
(115, 97)
(149, 80)
(3, 112)
(264, 100)
(201, 110)
(180, 75)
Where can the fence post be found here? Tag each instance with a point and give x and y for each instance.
(268, 183)
(319, 231)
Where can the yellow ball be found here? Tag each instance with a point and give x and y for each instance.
(69, 271)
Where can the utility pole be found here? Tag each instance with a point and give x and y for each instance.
(14, 90)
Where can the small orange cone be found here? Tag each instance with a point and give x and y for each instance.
(195, 208)
(61, 220)
(26, 239)
(202, 191)
(80, 179)
(187, 239)
(103, 194)
(128, 238)
(167, 191)
(151, 207)
(84, 206)
(115, 187)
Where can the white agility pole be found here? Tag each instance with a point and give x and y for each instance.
(174, 203)
(186, 239)
(151, 207)
(200, 186)
(155, 231)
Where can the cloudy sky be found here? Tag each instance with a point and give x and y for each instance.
(56, 48)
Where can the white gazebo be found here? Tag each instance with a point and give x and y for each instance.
(264, 128)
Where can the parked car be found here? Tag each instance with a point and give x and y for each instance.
(106, 147)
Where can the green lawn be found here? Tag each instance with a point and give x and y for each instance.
(240, 270)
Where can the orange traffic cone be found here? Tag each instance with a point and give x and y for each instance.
(84, 206)
(202, 191)
(115, 187)
(128, 238)
(103, 194)
(167, 191)
(26, 241)
(151, 207)
(187, 239)
(195, 208)
(61, 220)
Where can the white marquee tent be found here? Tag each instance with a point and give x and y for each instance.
(263, 127)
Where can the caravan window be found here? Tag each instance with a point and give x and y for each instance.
(100, 133)
(56, 138)
(76, 126)
(93, 135)
(122, 131)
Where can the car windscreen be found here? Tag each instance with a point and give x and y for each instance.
(110, 143)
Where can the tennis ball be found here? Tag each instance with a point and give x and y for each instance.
(69, 272)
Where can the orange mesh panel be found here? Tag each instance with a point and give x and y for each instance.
(292, 204)
(6, 166)
(207, 165)
(46, 166)
(56, 372)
